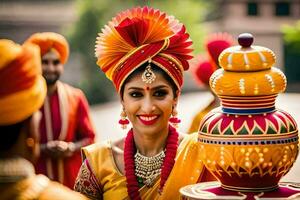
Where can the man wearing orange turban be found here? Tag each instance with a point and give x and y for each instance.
(22, 93)
(66, 124)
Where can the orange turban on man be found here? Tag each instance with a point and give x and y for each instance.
(49, 40)
(22, 89)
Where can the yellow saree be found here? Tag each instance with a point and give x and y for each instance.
(201, 114)
(111, 184)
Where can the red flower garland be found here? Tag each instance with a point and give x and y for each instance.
(168, 163)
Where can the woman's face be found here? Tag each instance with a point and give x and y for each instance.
(148, 106)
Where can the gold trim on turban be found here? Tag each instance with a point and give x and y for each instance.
(138, 34)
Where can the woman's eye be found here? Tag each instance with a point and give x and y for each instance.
(160, 93)
(135, 94)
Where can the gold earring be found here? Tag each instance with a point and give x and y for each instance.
(123, 121)
(174, 120)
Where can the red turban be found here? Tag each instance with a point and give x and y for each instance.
(137, 35)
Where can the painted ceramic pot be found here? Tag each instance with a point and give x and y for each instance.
(247, 143)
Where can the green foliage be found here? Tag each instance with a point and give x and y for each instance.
(292, 36)
(94, 14)
(292, 52)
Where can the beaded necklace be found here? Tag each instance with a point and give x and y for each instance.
(147, 169)
(167, 165)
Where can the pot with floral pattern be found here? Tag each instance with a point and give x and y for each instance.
(247, 143)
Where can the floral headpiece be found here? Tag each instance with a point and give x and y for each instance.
(140, 35)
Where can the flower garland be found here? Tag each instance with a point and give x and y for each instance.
(168, 163)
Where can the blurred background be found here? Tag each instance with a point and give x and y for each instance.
(274, 23)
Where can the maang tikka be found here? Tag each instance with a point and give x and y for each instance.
(148, 76)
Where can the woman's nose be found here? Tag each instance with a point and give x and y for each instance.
(148, 105)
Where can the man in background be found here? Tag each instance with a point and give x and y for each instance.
(66, 124)
(22, 93)
(203, 67)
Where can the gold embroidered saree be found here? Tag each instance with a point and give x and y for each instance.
(99, 176)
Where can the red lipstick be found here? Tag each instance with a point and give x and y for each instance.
(148, 119)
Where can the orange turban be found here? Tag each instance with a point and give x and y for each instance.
(138, 35)
(22, 89)
(50, 40)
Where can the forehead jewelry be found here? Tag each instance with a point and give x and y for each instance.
(148, 76)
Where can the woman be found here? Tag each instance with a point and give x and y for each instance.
(144, 53)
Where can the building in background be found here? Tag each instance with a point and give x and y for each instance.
(263, 18)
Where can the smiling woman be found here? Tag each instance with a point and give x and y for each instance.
(144, 53)
(149, 106)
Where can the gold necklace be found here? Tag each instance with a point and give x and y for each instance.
(147, 169)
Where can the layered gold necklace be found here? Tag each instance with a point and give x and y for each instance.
(147, 169)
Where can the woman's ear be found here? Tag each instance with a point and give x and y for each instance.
(122, 102)
(178, 93)
(121, 98)
(176, 97)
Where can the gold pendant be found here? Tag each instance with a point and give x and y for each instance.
(148, 75)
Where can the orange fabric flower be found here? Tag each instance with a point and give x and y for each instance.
(23, 89)
(50, 40)
(137, 35)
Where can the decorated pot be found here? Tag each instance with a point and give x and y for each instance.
(247, 143)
